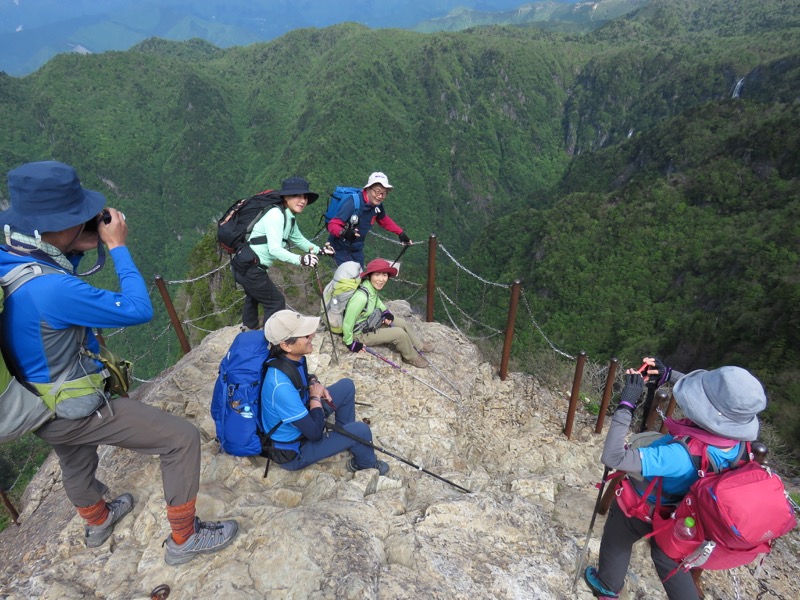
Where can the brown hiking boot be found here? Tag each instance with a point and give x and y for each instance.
(427, 347)
(418, 362)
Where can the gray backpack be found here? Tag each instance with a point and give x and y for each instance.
(21, 410)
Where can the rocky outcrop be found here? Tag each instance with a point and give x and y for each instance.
(323, 533)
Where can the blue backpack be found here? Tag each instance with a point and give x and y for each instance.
(236, 402)
(339, 196)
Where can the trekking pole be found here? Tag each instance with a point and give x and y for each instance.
(582, 555)
(339, 429)
(405, 247)
(327, 318)
(399, 368)
(435, 368)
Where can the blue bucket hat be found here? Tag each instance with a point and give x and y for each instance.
(724, 401)
(48, 196)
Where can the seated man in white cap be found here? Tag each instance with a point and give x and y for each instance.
(299, 415)
(47, 331)
(349, 228)
(721, 408)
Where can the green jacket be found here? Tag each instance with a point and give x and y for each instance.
(359, 308)
(279, 226)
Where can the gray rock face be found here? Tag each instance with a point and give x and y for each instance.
(323, 533)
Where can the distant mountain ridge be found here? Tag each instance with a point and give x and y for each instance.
(552, 16)
(33, 31)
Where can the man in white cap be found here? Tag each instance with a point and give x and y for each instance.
(357, 214)
(300, 439)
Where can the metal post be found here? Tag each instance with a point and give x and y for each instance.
(432, 245)
(670, 410)
(173, 316)
(10, 508)
(660, 397)
(512, 318)
(612, 375)
(576, 388)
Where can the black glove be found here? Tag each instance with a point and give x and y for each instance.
(631, 395)
(355, 347)
(404, 238)
(387, 316)
(660, 378)
(349, 235)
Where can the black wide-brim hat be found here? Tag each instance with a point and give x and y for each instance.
(48, 196)
(297, 186)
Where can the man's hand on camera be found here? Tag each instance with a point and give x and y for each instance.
(114, 233)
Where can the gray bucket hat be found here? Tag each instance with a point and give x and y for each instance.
(48, 196)
(724, 401)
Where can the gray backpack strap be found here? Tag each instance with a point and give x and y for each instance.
(22, 274)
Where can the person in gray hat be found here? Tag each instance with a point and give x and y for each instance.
(721, 408)
(268, 242)
(47, 331)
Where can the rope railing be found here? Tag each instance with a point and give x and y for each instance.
(203, 314)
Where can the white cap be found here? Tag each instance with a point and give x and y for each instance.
(286, 324)
(378, 177)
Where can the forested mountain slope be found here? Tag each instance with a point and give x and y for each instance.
(642, 205)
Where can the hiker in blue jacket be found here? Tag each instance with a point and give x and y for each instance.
(346, 236)
(721, 407)
(279, 228)
(47, 331)
(301, 439)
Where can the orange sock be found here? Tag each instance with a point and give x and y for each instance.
(96, 514)
(181, 520)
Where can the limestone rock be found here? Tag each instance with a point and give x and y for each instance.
(323, 533)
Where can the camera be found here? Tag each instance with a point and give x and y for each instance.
(91, 224)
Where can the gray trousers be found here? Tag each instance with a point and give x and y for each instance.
(135, 426)
(400, 335)
(619, 536)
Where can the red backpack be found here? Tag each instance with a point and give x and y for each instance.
(738, 512)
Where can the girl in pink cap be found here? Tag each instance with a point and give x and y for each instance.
(367, 319)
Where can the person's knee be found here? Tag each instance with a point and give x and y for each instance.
(360, 429)
(185, 436)
(346, 387)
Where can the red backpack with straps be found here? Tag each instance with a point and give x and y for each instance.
(738, 513)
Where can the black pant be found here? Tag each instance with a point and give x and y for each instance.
(258, 289)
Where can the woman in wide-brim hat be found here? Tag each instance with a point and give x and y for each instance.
(721, 407)
(269, 242)
(368, 322)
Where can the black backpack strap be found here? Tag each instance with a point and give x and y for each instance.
(288, 368)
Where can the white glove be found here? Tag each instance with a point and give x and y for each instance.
(309, 260)
(327, 249)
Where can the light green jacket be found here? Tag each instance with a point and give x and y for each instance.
(359, 307)
(280, 228)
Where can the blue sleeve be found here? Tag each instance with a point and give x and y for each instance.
(75, 302)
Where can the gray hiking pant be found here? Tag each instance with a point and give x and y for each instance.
(133, 425)
(619, 536)
(400, 335)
